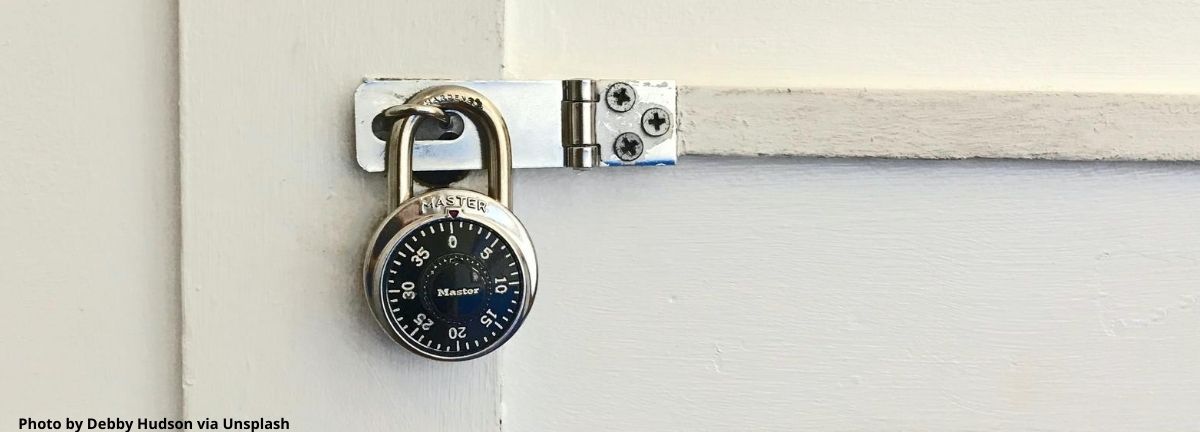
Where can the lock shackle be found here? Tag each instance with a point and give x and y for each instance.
(496, 148)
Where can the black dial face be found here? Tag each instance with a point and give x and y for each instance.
(453, 287)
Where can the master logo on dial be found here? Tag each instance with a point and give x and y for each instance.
(454, 288)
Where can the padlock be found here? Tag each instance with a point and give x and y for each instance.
(450, 274)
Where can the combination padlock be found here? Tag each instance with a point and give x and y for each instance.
(450, 274)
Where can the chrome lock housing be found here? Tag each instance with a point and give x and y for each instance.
(450, 274)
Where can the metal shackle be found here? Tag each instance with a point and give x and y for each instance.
(496, 148)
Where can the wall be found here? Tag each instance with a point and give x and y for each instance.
(89, 209)
(1063, 80)
(1063, 45)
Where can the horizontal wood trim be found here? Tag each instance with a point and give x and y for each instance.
(939, 124)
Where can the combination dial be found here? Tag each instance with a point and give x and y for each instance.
(453, 288)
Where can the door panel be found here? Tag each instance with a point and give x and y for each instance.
(790, 294)
(276, 213)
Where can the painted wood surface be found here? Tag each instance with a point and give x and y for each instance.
(939, 125)
(1111, 46)
(276, 213)
(790, 294)
(88, 210)
(726, 294)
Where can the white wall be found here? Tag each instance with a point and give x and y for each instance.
(1077, 45)
(947, 79)
(89, 209)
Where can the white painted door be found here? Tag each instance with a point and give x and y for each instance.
(274, 319)
(748, 288)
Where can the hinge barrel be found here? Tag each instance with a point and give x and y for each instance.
(580, 148)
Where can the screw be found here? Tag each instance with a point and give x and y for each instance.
(656, 121)
(620, 97)
(628, 146)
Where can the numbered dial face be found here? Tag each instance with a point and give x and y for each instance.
(453, 287)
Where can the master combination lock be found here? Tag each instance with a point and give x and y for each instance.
(450, 274)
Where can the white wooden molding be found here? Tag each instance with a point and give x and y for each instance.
(939, 124)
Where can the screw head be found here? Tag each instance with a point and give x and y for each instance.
(628, 146)
(656, 122)
(620, 97)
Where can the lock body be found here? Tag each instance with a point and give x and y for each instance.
(451, 274)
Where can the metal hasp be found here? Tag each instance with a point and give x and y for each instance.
(578, 123)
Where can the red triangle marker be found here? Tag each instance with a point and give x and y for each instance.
(454, 213)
